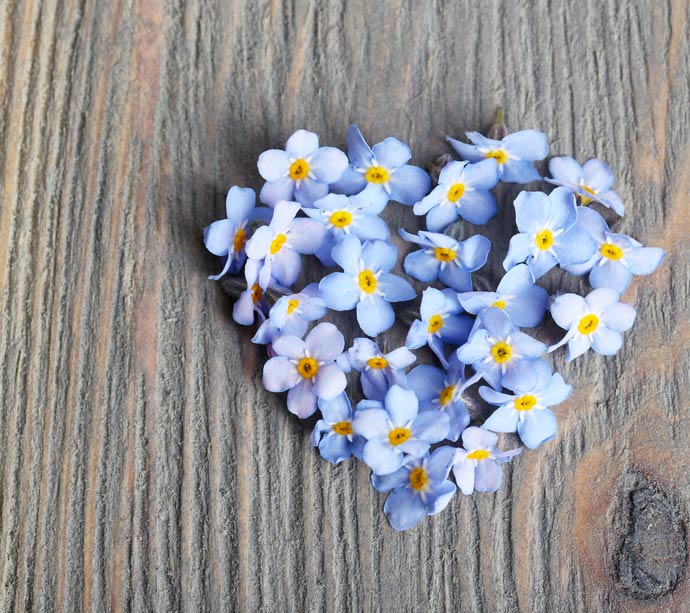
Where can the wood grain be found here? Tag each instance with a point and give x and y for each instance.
(143, 467)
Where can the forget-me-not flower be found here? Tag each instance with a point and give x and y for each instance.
(445, 259)
(595, 321)
(333, 433)
(462, 190)
(549, 233)
(382, 170)
(395, 428)
(365, 283)
(514, 154)
(251, 301)
(306, 369)
(302, 172)
(591, 182)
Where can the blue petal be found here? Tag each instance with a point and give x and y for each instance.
(611, 274)
(431, 426)
(381, 457)
(497, 323)
(286, 267)
(540, 264)
(339, 292)
(385, 483)
(606, 341)
(503, 419)
(347, 253)
(358, 151)
(526, 345)
(477, 207)
(337, 409)
(273, 164)
(515, 280)
(302, 144)
(465, 151)
(274, 191)
(532, 211)
(527, 145)
(597, 175)
(433, 302)
(239, 203)
(519, 172)
(402, 405)
(352, 182)
(417, 335)
(519, 250)
(422, 265)
(488, 476)
(426, 381)
(280, 374)
(374, 315)
(536, 427)
(574, 246)
(565, 169)
(404, 508)
(441, 216)
(619, 317)
(556, 391)
(481, 175)
(456, 329)
(527, 308)
(455, 277)
(392, 153)
(370, 227)
(644, 260)
(219, 236)
(328, 164)
(395, 288)
(409, 184)
(477, 348)
(309, 191)
(438, 497)
(475, 251)
(301, 400)
(378, 255)
(563, 208)
(334, 448)
(433, 199)
(476, 302)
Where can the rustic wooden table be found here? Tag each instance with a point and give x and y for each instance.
(144, 468)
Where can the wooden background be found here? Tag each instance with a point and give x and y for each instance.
(142, 466)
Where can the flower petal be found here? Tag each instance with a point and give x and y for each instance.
(519, 172)
(219, 236)
(301, 400)
(306, 235)
(409, 184)
(325, 342)
(478, 207)
(404, 508)
(476, 438)
(464, 476)
(347, 253)
(336, 409)
(359, 152)
(465, 151)
(527, 145)
(488, 476)
(335, 448)
(422, 266)
(619, 317)
(395, 288)
(503, 419)
(338, 291)
(566, 170)
(381, 457)
(402, 405)
(568, 309)
(431, 426)
(441, 216)
(328, 164)
(273, 192)
(644, 260)
(597, 175)
(379, 255)
(610, 274)
(280, 374)
(374, 315)
(273, 164)
(606, 341)
(302, 144)
(240, 203)
(391, 153)
(329, 382)
(536, 427)
(371, 423)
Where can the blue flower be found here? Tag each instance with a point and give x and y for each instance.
(302, 172)
(499, 353)
(446, 259)
(251, 301)
(440, 323)
(382, 170)
(526, 411)
(280, 243)
(395, 429)
(591, 182)
(420, 487)
(306, 368)
(478, 466)
(365, 283)
(378, 370)
(595, 321)
(442, 391)
(514, 154)
(333, 432)
(517, 295)
(617, 258)
(462, 190)
(549, 234)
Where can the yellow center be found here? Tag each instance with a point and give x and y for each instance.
(499, 155)
(257, 292)
(588, 324)
(340, 219)
(292, 305)
(612, 252)
(239, 240)
(544, 239)
(501, 352)
(418, 478)
(525, 403)
(376, 174)
(589, 190)
(478, 454)
(443, 254)
(447, 395)
(307, 367)
(344, 428)
(398, 436)
(435, 323)
(367, 281)
(299, 170)
(277, 243)
(455, 192)
(499, 304)
(377, 363)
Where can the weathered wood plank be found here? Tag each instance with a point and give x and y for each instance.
(143, 467)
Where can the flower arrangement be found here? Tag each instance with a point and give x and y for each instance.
(412, 426)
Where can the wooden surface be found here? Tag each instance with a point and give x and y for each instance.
(142, 466)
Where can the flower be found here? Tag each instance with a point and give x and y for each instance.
(517, 295)
(394, 428)
(617, 258)
(302, 172)
(333, 434)
(477, 466)
(420, 487)
(291, 315)
(442, 391)
(306, 368)
(500, 353)
(526, 411)
(365, 283)
(251, 300)
(462, 190)
(549, 234)
(595, 321)
(281, 242)
(446, 259)
(378, 370)
(382, 170)
(440, 323)
(514, 154)
(591, 182)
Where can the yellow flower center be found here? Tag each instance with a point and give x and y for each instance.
(376, 174)
(499, 304)
(307, 367)
(435, 324)
(418, 478)
(544, 239)
(588, 324)
(299, 170)
(277, 243)
(398, 436)
(497, 154)
(344, 428)
(612, 252)
(443, 254)
(239, 240)
(292, 305)
(367, 281)
(525, 403)
(478, 454)
(377, 363)
(455, 192)
(257, 292)
(341, 219)
(589, 190)
(501, 352)
(447, 395)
